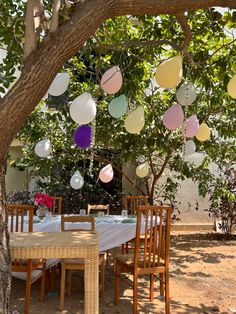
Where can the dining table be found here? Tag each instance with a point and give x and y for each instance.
(113, 230)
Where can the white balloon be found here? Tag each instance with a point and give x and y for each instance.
(59, 84)
(83, 109)
(189, 148)
(77, 181)
(186, 94)
(142, 170)
(43, 148)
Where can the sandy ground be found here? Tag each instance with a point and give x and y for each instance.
(203, 280)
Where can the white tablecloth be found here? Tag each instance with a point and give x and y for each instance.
(112, 231)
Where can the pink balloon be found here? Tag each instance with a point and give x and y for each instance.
(190, 126)
(111, 80)
(106, 174)
(173, 117)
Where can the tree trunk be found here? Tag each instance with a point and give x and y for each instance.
(5, 258)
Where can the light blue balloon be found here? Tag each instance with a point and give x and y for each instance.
(118, 106)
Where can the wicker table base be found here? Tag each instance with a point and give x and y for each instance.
(63, 245)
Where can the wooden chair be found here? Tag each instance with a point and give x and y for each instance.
(70, 264)
(131, 202)
(98, 208)
(57, 205)
(154, 259)
(29, 270)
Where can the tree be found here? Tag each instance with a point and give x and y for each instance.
(43, 57)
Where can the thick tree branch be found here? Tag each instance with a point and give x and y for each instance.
(187, 31)
(55, 16)
(34, 12)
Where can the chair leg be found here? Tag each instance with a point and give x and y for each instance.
(62, 292)
(151, 287)
(43, 279)
(161, 284)
(167, 293)
(68, 283)
(127, 248)
(52, 278)
(135, 294)
(117, 284)
(27, 288)
(102, 277)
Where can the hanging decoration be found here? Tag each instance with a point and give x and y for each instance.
(59, 84)
(106, 173)
(83, 136)
(203, 133)
(77, 181)
(169, 73)
(190, 126)
(231, 87)
(173, 117)
(189, 148)
(142, 170)
(186, 94)
(135, 121)
(118, 106)
(83, 109)
(43, 148)
(111, 80)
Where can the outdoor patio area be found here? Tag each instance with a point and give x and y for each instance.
(202, 280)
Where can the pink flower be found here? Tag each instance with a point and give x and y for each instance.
(43, 199)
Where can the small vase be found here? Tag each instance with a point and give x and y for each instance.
(42, 212)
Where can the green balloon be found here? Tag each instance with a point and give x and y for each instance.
(118, 106)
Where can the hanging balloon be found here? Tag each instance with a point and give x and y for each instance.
(106, 173)
(142, 170)
(231, 87)
(173, 117)
(190, 126)
(59, 84)
(118, 106)
(169, 73)
(83, 136)
(43, 148)
(189, 148)
(203, 133)
(77, 181)
(135, 120)
(111, 80)
(83, 109)
(186, 94)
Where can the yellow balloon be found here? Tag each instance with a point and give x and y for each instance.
(135, 120)
(169, 73)
(231, 87)
(142, 170)
(203, 133)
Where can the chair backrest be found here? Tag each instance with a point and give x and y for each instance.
(153, 223)
(96, 208)
(17, 214)
(131, 202)
(56, 205)
(65, 219)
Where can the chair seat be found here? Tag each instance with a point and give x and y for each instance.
(128, 260)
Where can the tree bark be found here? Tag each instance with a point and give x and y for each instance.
(5, 259)
(40, 67)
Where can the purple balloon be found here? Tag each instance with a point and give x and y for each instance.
(83, 136)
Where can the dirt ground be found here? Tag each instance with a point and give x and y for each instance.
(203, 280)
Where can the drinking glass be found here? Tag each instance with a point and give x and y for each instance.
(82, 212)
(101, 215)
(124, 213)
